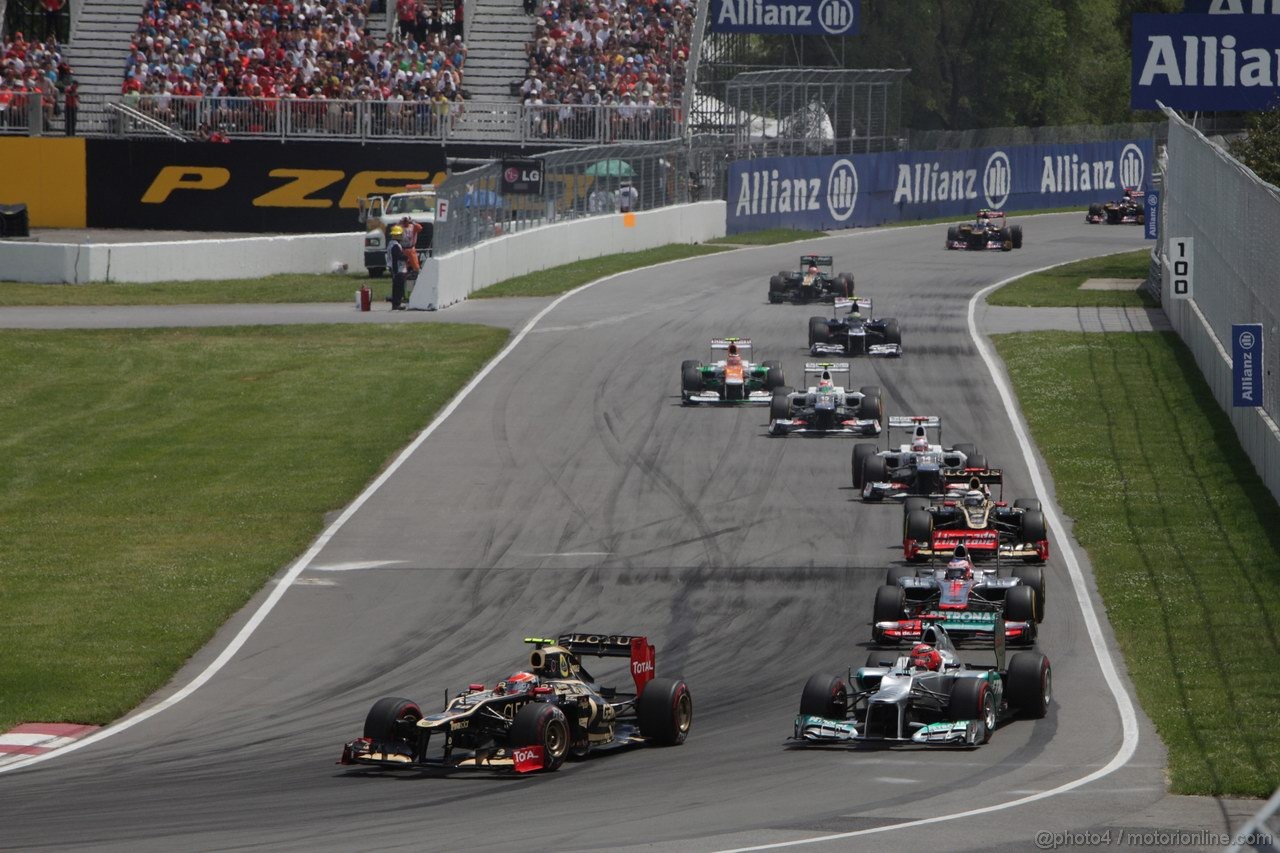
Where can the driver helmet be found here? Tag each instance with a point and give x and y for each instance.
(920, 444)
(520, 682)
(925, 656)
(826, 386)
(974, 498)
(813, 269)
(733, 357)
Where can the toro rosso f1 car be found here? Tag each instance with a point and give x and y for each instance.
(987, 231)
(921, 467)
(1131, 209)
(855, 333)
(532, 720)
(730, 377)
(969, 602)
(967, 515)
(812, 282)
(825, 408)
(929, 697)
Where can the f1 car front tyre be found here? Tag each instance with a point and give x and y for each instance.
(545, 725)
(874, 470)
(861, 452)
(1029, 684)
(1033, 527)
(892, 331)
(971, 699)
(825, 696)
(819, 330)
(1033, 577)
(777, 287)
(919, 528)
(690, 378)
(953, 234)
(392, 719)
(665, 711)
(887, 608)
(780, 405)
(1020, 606)
(1015, 234)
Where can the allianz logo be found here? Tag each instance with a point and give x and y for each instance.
(1068, 173)
(764, 191)
(1202, 62)
(929, 182)
(834, 16)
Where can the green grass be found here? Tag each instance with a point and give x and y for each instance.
(769, 236)
(272, 289)
(561, 279)
(1183, 536)
(1060, 287)
(152, 480)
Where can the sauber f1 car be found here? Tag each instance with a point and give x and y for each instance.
(812, 282)
(825, 408)
(988, 231)
(921, 467)
(967, 601)
(854, 333)
(966, 514)
(532, 720)
(929, 697)
(730, 377)
(1131, 209)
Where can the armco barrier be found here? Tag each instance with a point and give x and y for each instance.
(187, 260)
(451, 278)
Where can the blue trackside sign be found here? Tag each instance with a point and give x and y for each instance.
(1205, 62)
(1246, 364)
(786, 17)
(1151, 220)
(823, 193)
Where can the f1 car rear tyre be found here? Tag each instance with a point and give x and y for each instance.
(819, 330)
(919, 528)
(542, 724)
(382, 723)
(1033, 577)
(892, 331)
(977, 460)
(1033, 528)
(780, 405)
(887, 608)
(861, 452)
(971, 699)
(665, 711)
(690, 379)
(1027, 503)
(1020, 605)
(1029, 684)
(874, 470)
(844, 285)
(1015, 234)
(966, 449)
(825, 696)
(773, 376)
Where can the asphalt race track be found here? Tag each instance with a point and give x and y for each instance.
(572, 490)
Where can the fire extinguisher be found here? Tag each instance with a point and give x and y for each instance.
(364, 298)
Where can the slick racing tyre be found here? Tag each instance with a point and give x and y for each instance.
(953, 234)
(542, 724)
(919, 528)
(1015, 234)
(892, 332)
(665, 711)
(977, 460)
(971, 699)
(1094, 210)
(1027, 503)
(887, 608)
(1033, 529)
(825, 696)
(1029, 684)
(780, 405)
(1032, 577)
(819, 330)
(874, 470)
(384, 720)
(773, 375)
(1020, 606)
(869, 408)
(690, 378)
(966, 449)
(861, 452)
(777, 287)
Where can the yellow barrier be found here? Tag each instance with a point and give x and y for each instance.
(48, 176)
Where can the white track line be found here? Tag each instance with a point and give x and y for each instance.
(1128, 717)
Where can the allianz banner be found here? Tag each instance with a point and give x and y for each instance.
(824, 193)
(786, 17)
(1211, 63)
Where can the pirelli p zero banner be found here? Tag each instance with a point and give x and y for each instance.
(824, 193)
(255, 186)
(1210, 62)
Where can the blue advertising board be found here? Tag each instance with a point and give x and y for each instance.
(786, 17)
(1205, 62)
(1151, 219)
(822, 193)
(1246, 364)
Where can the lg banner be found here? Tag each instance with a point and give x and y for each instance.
(786, 17)
(1246, 364)
(822, 193)
(1205, 62)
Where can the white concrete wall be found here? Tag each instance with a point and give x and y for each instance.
(189, 260)
(450, 278)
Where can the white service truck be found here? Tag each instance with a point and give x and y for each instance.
(379, 213)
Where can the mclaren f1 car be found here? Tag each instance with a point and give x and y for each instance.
(532, 720)
(988, 231)
(730, 376)
(825, 408)
(1130, 210)
(855, 332)
(813, 282)
(923, 466)
(928, 697)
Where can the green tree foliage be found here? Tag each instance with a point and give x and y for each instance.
(1259, 149)
(995, 63)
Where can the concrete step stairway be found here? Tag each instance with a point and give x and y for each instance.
(496, 39)
(99, 46)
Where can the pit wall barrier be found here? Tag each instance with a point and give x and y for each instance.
(450, 278)
(187, 260)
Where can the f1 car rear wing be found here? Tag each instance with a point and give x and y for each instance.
(991, 214)
(997, 631)
(642, 653)
(914, 424)
(826, 367)
(816, 260)
(861, 304)
(723, 343)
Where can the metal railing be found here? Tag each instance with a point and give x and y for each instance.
(358, 121)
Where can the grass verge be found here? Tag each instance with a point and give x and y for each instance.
(557, 280)
(153, 480)
(272, 289)
(1060, 287)
(769, 236)
(1183, 536)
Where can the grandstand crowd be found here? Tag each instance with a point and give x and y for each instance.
(28, 67)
